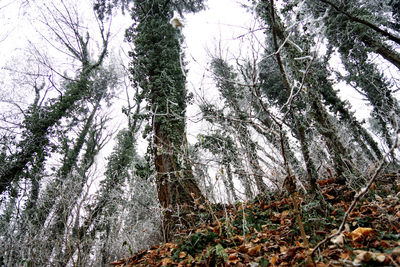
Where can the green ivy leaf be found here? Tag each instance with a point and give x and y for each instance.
(220, 251)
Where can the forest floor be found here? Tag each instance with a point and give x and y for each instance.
(264, 232)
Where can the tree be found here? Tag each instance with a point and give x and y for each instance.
(33, 148)
(224, 148)
(361, 36)
(63, 121)
(234, 97)
(288, 99)
(363, 33)
(157, 69)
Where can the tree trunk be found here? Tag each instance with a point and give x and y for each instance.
(335, 146)
(388, 54)
(157, 70)
(177, 191)
(230, 181)
(310, 167)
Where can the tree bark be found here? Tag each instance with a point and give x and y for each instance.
(388, 54)
(178, 193)
(364, 22)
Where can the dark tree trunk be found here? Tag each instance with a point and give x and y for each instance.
(341, 158)
(177, 190)
(387, 53)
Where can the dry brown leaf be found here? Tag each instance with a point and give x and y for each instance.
(338, 240)
(118, 262)
(377, 197)
(362, 256)
(166, 261)
(396, 251)
(346, 255)
(329, 196)
(273, 260)
(367, 256)
(372, 187)
(285, 213)
(325, 181)
(283, 249)
(182, 254)
(262, 235)
(243, 248)
(254, 251)
(233, 258)
(380, 258)
(321, 232)
(361, 233)
(171, 245)
(230, 250)
(238, 238)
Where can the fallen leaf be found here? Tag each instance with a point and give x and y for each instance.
(118, 262)
(171, 245)
(233, 258)
(338, 240)
(238, 238)
(372, 187)
(320, 232)
(325, 181)
(273, 260)
(283, 249)
(362, 256)
(377, 197)
(361, 233)
(254, 251)
(230, 250)
(166, 261)
(243, 248)
(367, 256)
(346, 255)
(182, 254)
(285, 213)
(380, 258)
(396, 251)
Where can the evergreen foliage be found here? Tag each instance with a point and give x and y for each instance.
(157, 68)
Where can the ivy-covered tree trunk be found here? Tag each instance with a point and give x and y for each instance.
(158, 69)
(329, 132)
(347, 25)
(297, 116)
(229, 185)
(360, 135)
(365, 31)
(235, 96)
(310, 167)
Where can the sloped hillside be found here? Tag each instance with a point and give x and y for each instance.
(264, 232)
